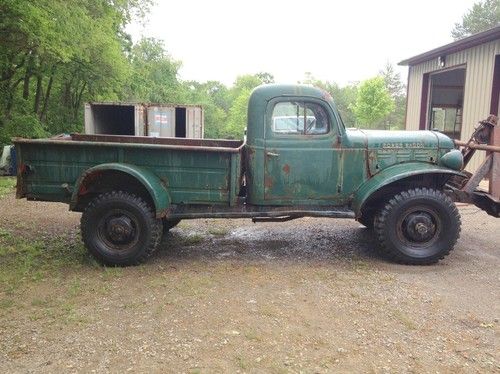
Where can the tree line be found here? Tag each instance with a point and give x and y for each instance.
(57, 54)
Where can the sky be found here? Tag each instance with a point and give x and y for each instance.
(340, 41)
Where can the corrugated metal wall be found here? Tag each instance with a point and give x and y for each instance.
(479, 62)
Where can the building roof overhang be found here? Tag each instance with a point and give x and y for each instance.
(457, 46)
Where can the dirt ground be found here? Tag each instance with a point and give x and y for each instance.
(310, 295)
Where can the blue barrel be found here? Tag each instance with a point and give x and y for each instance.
(13, 164)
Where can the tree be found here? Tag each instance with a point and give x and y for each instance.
(153, 75)
(240, 94)
(344, 97)
(237, 118)
(397, 90)
(482, 16)
(56, 54)
(373, 102)
(393, 81)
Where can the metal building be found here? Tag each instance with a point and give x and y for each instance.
(452, 87)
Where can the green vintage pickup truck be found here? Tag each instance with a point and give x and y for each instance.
(298, 160)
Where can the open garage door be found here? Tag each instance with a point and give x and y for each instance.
(446, 102)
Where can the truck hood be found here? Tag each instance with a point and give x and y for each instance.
(400, 139)
(376, 139)
(387, 148)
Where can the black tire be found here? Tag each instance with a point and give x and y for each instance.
(169, 224)
(367, 220)
(418, 227)
(120, 229)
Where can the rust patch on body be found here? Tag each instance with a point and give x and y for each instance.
(286, 169)
(268, 182)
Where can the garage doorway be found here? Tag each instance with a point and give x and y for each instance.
(446, 97)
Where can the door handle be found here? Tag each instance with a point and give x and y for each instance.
(272, 154)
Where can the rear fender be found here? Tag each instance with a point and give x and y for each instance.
(394, 174)
(151, 182)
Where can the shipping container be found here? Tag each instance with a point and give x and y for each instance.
(175, 121)
(156, 120)
(114, 119)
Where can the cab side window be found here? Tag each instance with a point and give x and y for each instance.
(299, 118)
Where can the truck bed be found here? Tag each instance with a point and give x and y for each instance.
(195, 171)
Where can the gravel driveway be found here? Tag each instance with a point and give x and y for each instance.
(310, 295)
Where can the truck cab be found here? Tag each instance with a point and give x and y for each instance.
(315, 160)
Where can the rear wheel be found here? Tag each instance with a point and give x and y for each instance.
(417, 227)
(119, 228)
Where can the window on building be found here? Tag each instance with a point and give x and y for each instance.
(299, 118)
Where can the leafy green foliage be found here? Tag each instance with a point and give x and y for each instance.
(373, 102)
(22, 125)
(397, 90)
(56, 54)
(237, 118)
(153, 75)
(482, 16)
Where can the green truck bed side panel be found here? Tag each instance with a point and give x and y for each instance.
(191, 176)
(148, 179)
(393, 174)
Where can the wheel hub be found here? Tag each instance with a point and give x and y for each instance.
(120, 229)
(419, 226)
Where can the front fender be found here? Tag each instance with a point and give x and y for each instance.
(393, 174)
(146, 177)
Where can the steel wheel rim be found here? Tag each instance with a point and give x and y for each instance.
(419, 227)
(118, 230)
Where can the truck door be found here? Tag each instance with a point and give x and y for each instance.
(302, 153)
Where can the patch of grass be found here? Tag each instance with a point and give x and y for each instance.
(5, 234)
(193, 239)
(23, 261)
(7, 185)
(40, 302)
(75, 287)
(112, 272)
(218, 231)
(6, 303)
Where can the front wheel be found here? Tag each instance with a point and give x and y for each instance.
(418, 227)
(119, 228)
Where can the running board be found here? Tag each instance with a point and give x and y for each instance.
(259, 213)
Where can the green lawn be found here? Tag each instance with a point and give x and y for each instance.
(7, 185)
